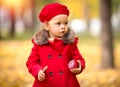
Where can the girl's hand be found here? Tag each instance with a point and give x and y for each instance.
(41, 74)
(76, 70)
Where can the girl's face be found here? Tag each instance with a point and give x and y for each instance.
(57, 26)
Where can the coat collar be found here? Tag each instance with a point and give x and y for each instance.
(41, 37)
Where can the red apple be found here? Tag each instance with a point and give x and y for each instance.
(73, 64)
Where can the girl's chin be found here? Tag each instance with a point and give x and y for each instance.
(60, 36)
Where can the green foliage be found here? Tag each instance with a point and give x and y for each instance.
(85, 38)
(41, 3)
(18, 36)
(116, 34)
(115, 5)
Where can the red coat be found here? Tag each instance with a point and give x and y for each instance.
(56, 56)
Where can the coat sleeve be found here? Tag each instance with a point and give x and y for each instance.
(77, 56)
(33, 62)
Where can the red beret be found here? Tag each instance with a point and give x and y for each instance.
(52, 10)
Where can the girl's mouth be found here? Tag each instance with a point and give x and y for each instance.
(63, 32)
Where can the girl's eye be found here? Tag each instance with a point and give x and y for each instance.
(58, 23)
(66, 23)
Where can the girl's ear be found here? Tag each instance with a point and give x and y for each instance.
(46, 25)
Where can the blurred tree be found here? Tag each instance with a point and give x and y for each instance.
(106, 34)
(12, 29)
(0, 21)
(0, 34)
(29, 15)
(13, 6)
(87, 14)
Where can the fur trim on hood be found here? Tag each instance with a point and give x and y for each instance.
(41, 37)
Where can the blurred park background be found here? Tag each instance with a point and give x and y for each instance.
(96, 23)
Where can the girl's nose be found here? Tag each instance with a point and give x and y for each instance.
(62, 26)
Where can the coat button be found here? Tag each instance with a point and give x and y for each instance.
(60, 55)
(61, 72)
(50, 73)
(49, 56)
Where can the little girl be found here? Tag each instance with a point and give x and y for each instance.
(53, 47)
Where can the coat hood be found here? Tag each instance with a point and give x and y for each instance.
(41, 37)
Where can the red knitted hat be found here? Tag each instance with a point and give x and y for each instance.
(52, 10)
